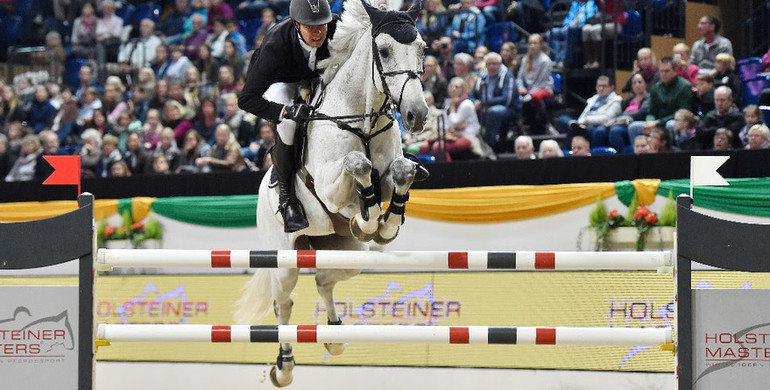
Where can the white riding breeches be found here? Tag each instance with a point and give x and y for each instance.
(284, 93)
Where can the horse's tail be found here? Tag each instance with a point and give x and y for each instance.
(256, 299)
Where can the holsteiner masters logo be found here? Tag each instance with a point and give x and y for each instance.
(31, 338)
(394, 307)
(152, 306)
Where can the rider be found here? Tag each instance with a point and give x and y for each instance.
(288, 57)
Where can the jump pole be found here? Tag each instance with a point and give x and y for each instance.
(403, 260)
(521, 335)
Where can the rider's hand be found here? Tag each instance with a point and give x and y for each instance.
(298, 112)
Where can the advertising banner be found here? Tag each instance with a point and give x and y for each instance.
(38, 334)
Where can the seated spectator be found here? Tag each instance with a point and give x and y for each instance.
(196, 38)
(90, 152)
(682, 63)
(592, 30)
(705, 50)
(531, 15)
(110, 155)
(723, 139)
(225, 154)
(703, 96)
(433, 81)
(432, 23)
(145, 78)
(411, 142)
(641, 146)
(159, 95)
(119, 169)
(509, 53)
(11, 108)
(190, 103)
(759, 137)
(99, 122)
(266, 141)
(535, 84)
(235, 36)
(225, 83)
(136, 157)
(580, 146)
(724, 74)
(174, 118)
(160, 165)
(140, 52)
(173, 26)
(635, 108)
(550, 148)
(86, 80)
(50, 147)
(685, 123)
(65, 119)
(462, 125)
(41, 112)
(251, 8)
(207, 120)
(524, 148)
(668, 95)
(241, 122)
(139, 103)
(109, 29)
(151, 129)
(444, 49)
(53, 59)
(168, 148)
(725, 114)
(659, 140)
(467, 28)
(216, 39)
(221, 10)
(564, 39)
(751, 116)
(113, 103)
(496, 100)
(193, 148)
(478, 59)
(206, 65)
(89, 102)
(83, 37)
(599, 110)
(268, 22)
(127, 123)
(234, 60)
(463, 67)
(23, 168)
(644, 65)
(161, 62)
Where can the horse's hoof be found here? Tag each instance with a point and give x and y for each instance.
(359, 234)
(335, 349)
(279, 378)
(380, 240)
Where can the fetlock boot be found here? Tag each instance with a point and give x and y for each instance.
(284, 164)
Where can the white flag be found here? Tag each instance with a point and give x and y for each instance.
(703, 171)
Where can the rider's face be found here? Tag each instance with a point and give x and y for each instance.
(314, 36)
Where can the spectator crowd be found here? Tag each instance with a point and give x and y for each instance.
(159, 95)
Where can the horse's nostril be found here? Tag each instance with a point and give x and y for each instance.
(410, 117)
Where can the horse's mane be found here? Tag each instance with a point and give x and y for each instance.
(354, 23)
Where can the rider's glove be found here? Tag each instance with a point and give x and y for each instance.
(298, 112)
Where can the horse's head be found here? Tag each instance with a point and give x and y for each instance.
(397, 51)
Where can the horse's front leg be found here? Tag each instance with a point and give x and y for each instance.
(325, 281)
(402, 171)
(363, 225)
(284, 281)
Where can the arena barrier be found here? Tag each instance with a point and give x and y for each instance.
(404, 260)
(129, 333)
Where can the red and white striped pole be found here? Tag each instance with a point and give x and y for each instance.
(155, 333)
(406, 260)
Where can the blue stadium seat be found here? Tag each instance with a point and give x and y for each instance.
(753, 86)
(249, 30)
(11, 28)
(72, 68)
(603, 150)
(23, 7)
(556, 83)
(146, 11)
(633, 25)
(499, 33)
(126, 12)
(748, 67)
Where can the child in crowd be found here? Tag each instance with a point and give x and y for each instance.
(684, 129)
(752, 116)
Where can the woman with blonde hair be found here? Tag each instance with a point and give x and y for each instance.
(724, 74)
(225, 155)
(146, 78)
(462, 124)
(682, 65)
(174, 118)
(759, 137)
(550, 148)
(10, 107)
(535, 83)
(508, 53)
(24, 167)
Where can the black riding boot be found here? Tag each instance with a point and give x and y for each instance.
(285, 167)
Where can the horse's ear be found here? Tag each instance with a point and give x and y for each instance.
(414, 9)
(375, 15)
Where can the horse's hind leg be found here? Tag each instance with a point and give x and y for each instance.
(284, 281)
(402, 171)
(325, 281)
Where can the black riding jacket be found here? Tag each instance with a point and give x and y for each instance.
(280, 59)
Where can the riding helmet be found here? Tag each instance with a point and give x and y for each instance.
(310, 12)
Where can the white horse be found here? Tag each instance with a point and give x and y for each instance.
(353, 161)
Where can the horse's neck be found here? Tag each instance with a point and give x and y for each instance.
(352, 91)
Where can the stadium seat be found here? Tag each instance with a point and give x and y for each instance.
(72, 68)
(499, 33)
(753, 86)
(23, 7)
(11, 28)
(633, 25)
(748, 67)
(126, 12)
(556, 83)
(146, 11)
(603, 150)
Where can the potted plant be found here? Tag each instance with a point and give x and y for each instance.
(129, 234)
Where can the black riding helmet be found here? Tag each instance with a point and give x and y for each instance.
(310, 12)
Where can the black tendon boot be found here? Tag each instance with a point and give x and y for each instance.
(285, 167)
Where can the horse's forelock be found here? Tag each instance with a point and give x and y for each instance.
(398, 25)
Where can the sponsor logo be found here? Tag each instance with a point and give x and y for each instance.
(152, 307)
(29, 338)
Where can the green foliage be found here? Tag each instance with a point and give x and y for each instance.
(152, 229)
(598, 214)
(631, 210)
(668, 214)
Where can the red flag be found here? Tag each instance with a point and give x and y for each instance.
(66, 171)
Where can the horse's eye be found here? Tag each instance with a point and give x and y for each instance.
(384, 53)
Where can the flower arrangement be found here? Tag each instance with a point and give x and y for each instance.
(643, 219)
(639, 217)
(136, 232)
